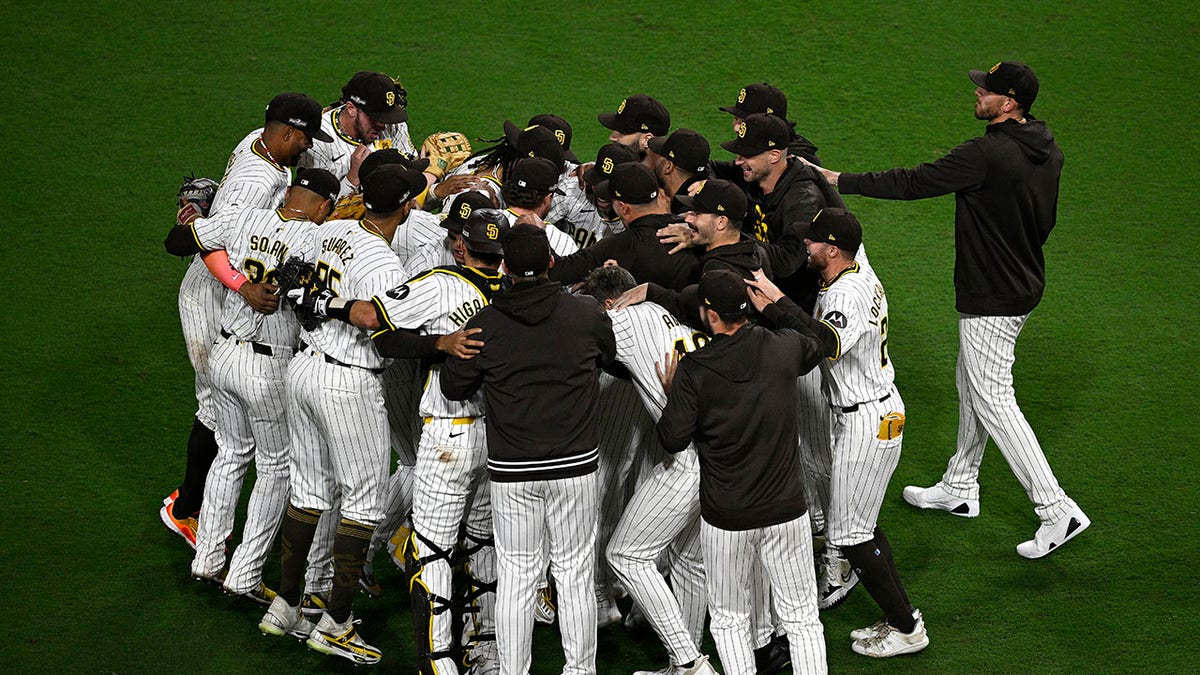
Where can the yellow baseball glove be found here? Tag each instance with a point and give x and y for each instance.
(446, 150)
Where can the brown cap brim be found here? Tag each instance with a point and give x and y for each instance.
(739, 146)
(978, 77)
(395, 115)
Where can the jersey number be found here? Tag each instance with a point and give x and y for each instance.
(328, 275)
(257, 272)
(883, 338)
(697, 341)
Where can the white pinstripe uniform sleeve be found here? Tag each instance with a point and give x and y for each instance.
(665, 510)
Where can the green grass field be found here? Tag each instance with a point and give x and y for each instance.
(109, 104)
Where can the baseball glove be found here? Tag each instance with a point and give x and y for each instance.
(309, 303)
(293, 273)
(349, 207)
(446, 150)
(198, 192)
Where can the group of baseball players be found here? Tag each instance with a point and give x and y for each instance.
(543, 385)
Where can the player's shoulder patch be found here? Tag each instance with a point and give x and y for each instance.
(398, 293)
(835, 319)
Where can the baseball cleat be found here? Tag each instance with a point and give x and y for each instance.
(877, 628)
(314, 604)
(185, 527)
(837, 580)
(368, 583)
(700, 666)
(206, 578)
(260, 594)
(1052, 535)
(936, 497)
(342, 639)
(171, 497)
(543, 606)
(891, 642)
(283, 619)
(607, 612)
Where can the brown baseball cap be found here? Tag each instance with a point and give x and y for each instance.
(686, 148)
(638, 114)
(607, 159)
(838, 227)
(724, 292)
(757, 134)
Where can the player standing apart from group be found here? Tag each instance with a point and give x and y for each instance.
(1005, 186)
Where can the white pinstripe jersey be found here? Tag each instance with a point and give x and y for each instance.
(258, 241)
(855, 307)
(356, 263)
(418, 229)
(439, 302)
(335, 155)
(576, 215)
(560, 242)
(428, 256)
(645, 334)
(252, 181)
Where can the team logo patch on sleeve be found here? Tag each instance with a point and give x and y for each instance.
(399, 292)
(835, 319)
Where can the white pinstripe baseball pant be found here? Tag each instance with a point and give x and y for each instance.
(250, 402)
(862, 468)
(339, 438)
(987, 406)
(451, 483)
(665, 514)
(564, 513)
(813, 419)
(786, 552)
(200, 298)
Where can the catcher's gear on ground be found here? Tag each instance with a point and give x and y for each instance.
(446, 150)
(197, 191)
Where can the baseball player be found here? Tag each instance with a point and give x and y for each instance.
(868, 422)
(373, 110)
(451, 458)
(529, 190)
(679, 161)
(735, 397)
(256, 176)
(637, 119)
(768, 99)
(337, 421)
(1005, 185)
(247, 368)
(664, 513)
(542, 348)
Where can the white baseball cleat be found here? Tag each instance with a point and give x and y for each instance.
(891, 642)
(837, 580)
(283, 619)
(700, 666)
(342, 639)
(1050, 536)
(936, 497)
(877, 627)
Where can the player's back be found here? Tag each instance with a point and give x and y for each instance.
(438, 302)
(253, 179)
(262, 240)
(646, 333)
(354, 262)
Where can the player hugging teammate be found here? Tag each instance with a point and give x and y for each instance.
(641, 390)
